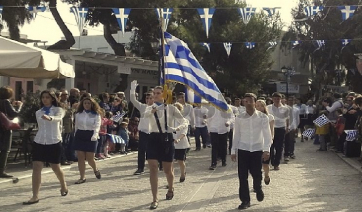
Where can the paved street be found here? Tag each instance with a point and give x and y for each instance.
(315, 181)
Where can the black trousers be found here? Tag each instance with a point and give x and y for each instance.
(219, 146)
(142, 146)
(276, 149)
(249, 162)
(230, 135)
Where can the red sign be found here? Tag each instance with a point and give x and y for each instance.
(359, 65)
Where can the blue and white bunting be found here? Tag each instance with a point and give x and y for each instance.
(250, 45)
(182, 66)
(80, 14)
(206, 18)
(272, 44)
(309, 133)
(116, 139)
(35, 9)
(312, 11)
(122, 17)
(227, 47)
(165, 13)
(345, 42)
(271, 10)
(347, 11)
(320, 44)
(321, 121)
(295, 43)
(246, 13)
(207, 46)
(351, 135)
(1, 13)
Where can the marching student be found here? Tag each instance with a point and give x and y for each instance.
(47, 143)
(294, 120)
(87, 126)
(201, 127)
(252, 140)
(188, 113)
(143, 126)
(160, 144)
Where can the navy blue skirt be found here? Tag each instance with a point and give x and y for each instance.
(82, 141)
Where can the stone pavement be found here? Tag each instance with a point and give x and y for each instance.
(315, 181)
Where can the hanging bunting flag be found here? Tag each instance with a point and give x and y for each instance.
(206, 17)
(272, 44)
(207, 46)
(345, 42)
(165, 14)
(312, 11)
(347, 11)
(1, 13)
(271, 10)
(80, 14)
(35, 9)
(227, 47)
(320, 44)
(246, 13)
(181, 66)
(296, 43)
(250, 45)
(122, 17)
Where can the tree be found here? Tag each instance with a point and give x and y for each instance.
(328, 26)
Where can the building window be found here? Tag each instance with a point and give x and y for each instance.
(18, 90)
(30, 86)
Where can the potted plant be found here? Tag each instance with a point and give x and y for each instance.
(31, 103)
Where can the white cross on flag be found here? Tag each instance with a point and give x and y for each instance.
(345, 42)
(321, 121)
(122, 17)
(35, 9)
(271, 10)
(250, 45)
(206, 17)
(165, 13)
(351, 135)
(311, 11)
(320, 44)
(347, 11)
(272, 44)
(227, 47)
(206, 45)
(309, 133)
(80, 14)
(246, 13)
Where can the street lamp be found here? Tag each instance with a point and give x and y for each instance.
(288, 72)
(156, 49)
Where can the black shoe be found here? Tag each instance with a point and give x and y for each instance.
(224, 164)
(5, 175)
(98, 174)
(204, 146)
(244, 205)
(139, 172)
(260, 195)
(65, 163)
(30, 203)
(212, 167)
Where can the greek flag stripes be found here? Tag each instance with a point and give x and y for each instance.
(271, 10)
(296, 43)
(80, 14)
(345, 42)
(272, 44)
(118, 116)
(1, 13)
(122, 17)
(116, 139)
(191, 98)
(165, 14)
(206, 45)
(246, 13)
(206, 17)
(250, 45)
(311, 11)
(321, 121)
(227, 47)
(181, 66)
(35, 9)
(351, 135)
(347, 11)
(309, 133)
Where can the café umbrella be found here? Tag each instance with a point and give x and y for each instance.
(20, 60)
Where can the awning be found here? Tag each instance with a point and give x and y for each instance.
(20, 60)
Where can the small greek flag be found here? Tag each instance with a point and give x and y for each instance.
(118, 116)
(1, 12)
(296, 43)
(345, 42)
(309, 133)
(272, 44)
(122, 17)
(347, 11)
(271, 10)
(351, 135)
(116, 139)
(312, 11)
(35, 9)
(250, 45)
(80, 14)
(165, 14)
(206, 17)
(206, 45)
(227, 47)
(246, 13)
(321, 121)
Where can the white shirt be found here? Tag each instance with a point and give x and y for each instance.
(302, 108)
(294, 119)
(252, 133)
(172, 114)
(50, 132)
(143, 125)
(188, 113)
(236, 112)
(88, 121)
(281, 115)
(183, 143)
(241, 109)
(218, 119)
(200, 113)
(337, 104)
(310, 109)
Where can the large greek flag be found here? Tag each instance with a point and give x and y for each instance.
(80, 14)
(182, 67)
(191, 98)
(122, 17)
(206, 17)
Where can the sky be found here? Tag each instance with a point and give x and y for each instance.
(45, 28)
